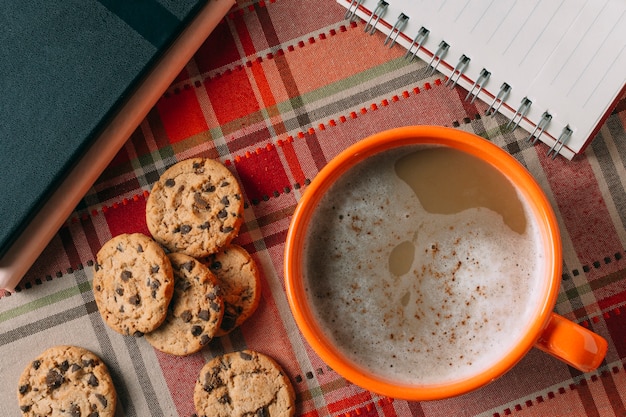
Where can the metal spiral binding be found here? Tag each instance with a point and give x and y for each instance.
(351, 14)
(522, 111)
(460, 68)
(419, 39)
(379, 11)
(396, 29)
(566, 133)
(480, 83)
(541, 126)
(438, 56)
(503, 94)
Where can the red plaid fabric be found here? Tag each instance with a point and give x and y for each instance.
(277, 90)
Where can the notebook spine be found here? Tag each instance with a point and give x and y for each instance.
(376, 17)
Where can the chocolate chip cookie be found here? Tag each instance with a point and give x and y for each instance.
(195, 207)
(195, 312)
(242, 384)
(240, 283)
(133, 284)
(66, 381)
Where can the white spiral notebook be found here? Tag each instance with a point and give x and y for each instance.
(554, 68)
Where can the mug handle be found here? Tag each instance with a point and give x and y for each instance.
(572, 344)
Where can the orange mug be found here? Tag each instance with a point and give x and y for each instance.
(545, 330)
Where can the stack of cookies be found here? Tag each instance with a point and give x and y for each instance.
(187, 283)
(180, 288)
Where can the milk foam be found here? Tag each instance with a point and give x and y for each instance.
(461, 303)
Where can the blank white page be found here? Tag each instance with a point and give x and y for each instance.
(568, 57)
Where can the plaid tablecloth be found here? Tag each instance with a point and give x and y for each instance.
(279, 89)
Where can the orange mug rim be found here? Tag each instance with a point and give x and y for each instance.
(411, 135)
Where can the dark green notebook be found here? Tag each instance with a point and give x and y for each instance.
(65, 68)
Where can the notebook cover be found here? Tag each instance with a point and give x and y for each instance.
(66, 67)
(107, 142)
